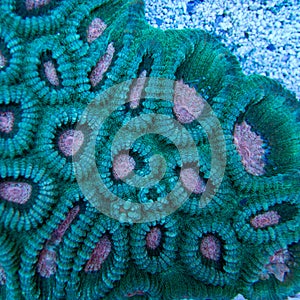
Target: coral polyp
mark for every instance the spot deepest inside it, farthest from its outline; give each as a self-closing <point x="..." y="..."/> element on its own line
<point x="187" y="104"/>
<point x="122" y="166"/>
<point x="17" y="192"/>
<point x="99" y="255"/>
<point x="95" y="29"/>
<point x="211" y="247"/>
<point x="3" y="61"/>
<point x="140" y="163"/>
<point x="153" y="238"/>
<point x="250" y="147"/>
<point x="34" y="4"/>
<point x="266" y="219"/>
<point x="18" y="120"/>
<point x="192" y="181"/>
<point x="70" y="142"/>
<point x="153" y="245"/>
<point x="6" y="121"/>
<point x="102" y="65"/>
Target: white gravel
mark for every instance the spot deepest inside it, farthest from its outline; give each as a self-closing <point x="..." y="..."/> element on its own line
<point x="263" y="34"/>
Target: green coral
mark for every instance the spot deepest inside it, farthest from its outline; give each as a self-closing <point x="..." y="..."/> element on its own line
<point x="41" y="198"/>
<point x="270" y="111"/>
<point x="11" y="52"/>
<point x="236" y="230"/>
<point x="52" y="137"/>
<point x="24" y="109"/>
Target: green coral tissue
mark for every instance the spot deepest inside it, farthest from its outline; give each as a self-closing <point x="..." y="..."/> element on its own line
<point x="140" y="163"/>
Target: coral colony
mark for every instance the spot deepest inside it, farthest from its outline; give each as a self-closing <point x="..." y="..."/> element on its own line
<point x="56" y="57"/>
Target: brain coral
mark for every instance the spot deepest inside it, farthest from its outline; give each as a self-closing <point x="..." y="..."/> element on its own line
<point x="58" y="241"/>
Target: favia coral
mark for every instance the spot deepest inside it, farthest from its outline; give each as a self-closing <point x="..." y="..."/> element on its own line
<point x="232" y="191"/>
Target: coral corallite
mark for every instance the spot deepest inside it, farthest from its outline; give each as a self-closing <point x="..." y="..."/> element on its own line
<point x="3" y="60"/>
<point x="136" y="90"/>
<point x="46" y="265"/>
<point x="99" y="255"/>
<point x="51" y="73"/>
<point x="102" y="65"/>
<point x="210" y="247"/>
<point x="250" y="147"/>
<point x="6" y="121"/>
<point x="266" y="219"/>
<point x="34" y="4"/>
<point x="17" y="192"/>
<point x="192" y="181"/>
<point x="95" y="29"/>
<point x="153" y="238"/>
<point x="2" y="276"/>
<point x="58" y="233"/>
<point x="70" y="142"/>
<point x="123" y="165"/>
<point x="187" y="104"/>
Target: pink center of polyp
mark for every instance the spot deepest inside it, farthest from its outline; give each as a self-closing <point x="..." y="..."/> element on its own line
<point x="102" y="65"/>
<point x="70" y="142"/>
<point x="192" y="181"/>
<point x="153" y="238"/>
<point x="99" y="255"/>
<point x="266" y="219"/>
<point x="122" y="166"/>
<point x="187" y="104"/>
<point x="33" y="4"/>
<point x="135" y="293"/>
<point x="47" y="263"/>
<point x="17" y="192"/>
<point x="211" y="247"/>
<point x="3" y="60"/>
<point x="278" y="265"/>
<point x="58" y="233"/>
<point x="50" y="72"/>
<point x="137" y="89"/>
<point x="250" y="147"/>
<point x="2" y="276"/>
<point x="95" y="29"/>
<point x="6" y="121"/>
<point x="47" y="260"/>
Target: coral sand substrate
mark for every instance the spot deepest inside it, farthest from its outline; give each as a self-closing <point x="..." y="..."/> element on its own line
<point x="238" y="230"/>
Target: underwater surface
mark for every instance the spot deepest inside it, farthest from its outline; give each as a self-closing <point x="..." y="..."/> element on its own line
<point x="140" y="162"/>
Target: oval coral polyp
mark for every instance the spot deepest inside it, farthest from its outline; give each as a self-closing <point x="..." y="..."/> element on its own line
<point x="95" y="29"/>
<point x="266" y="219"/>
<point x="2" y="276"/>
<point x="187" y="104"/>
<point x="192" y="181"/>
<point x="123" y="165"/>
<point x="3" y="61"/>
<point x="35" y="4"/>
<point x="70" y="142"/>
<point x="99" y="255"/>
<point x="6" y="121"/>
<point x="211" y="247"/>
<point x="250" y="147"/>
<point x="102" y="65"/>
<point x="51" y="73"/>
<point x="17" y="192"/>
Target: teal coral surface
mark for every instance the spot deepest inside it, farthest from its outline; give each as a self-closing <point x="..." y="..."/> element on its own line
<point x="56" y="57"/>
